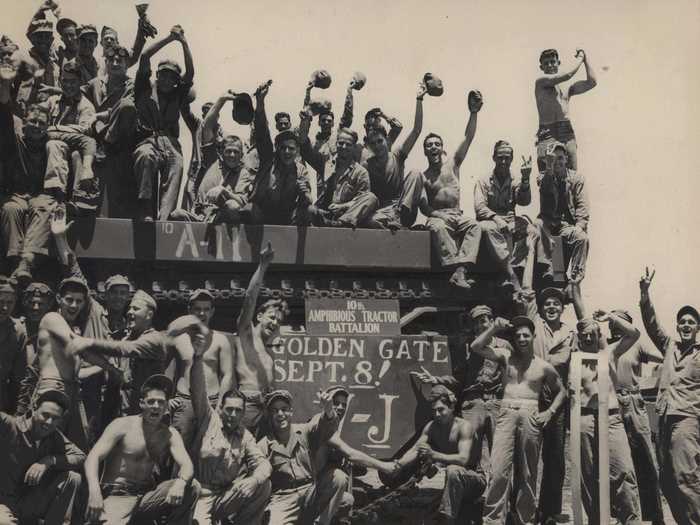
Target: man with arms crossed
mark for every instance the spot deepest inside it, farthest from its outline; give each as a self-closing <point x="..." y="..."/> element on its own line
<point x="520" y="423"/>
<point x="133" y="447"/>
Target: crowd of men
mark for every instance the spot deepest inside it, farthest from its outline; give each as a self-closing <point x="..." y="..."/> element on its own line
<point x="105" y="419"/>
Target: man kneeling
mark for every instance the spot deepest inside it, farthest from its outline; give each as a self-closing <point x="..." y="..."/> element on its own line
<point x="134" y="448"/>
<point x="448" y="443"/>
<point x="223" y="450"/>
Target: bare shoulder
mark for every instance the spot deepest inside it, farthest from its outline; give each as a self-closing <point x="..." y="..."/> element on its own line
<point x="51" y="319"/>
<point x="220" y="340"/>
<point x="464" y="426"/>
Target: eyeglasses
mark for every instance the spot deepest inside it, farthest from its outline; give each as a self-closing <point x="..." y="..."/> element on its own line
<point x="111" y="52"/>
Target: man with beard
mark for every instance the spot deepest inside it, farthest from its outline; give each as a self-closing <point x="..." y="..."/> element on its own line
<point x="224" y="451"/>
<point x="564" y="211"/>
<point x="346" y="199"/>
<point x="455" y="237"/>
<point x="13" y="341"/>
<point x="553" y="104"/>
<point x="134" y="450"/>
<point x="258" y="327"/>
<point x="282" y="191"/>
<point x="520" y="422"/>
<point x="158" y="162"/>
<point x="453" y="445"/>
<point x="624" y="497"/>
<point x="114" y="130"/>
<point x="628" y="369"/>
<point x="38" y="464"/>
<point x="678" y="404"/>
<point x="398" y="194"/>
<point x="302" y="491"/>
<point x="495" y="198"/>
<point x="217" y="362"/>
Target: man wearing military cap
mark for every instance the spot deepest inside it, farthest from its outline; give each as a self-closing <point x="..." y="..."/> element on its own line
<point x="217" y="363"/>
<point x="158" y="128"/>
<point x="13" y="341"/>
<point x="301" y="489"/>
<point x="453" y="445"/>
<point x="40" y="467"/>
<point x="68" y="48"/>
<point x="135" y="450"/>
<point x="678" y="405"/>
<point x="520" y="423"/>
<point x="87" y="42"/>
<point x="109" y="38"/>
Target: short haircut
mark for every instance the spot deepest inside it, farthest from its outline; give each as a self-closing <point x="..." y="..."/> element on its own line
<point x="284" y="136"/>
<point x="72" y="287"/>
<point x="234" y="393"/>
<point x="432" y="136"/>
<point x="282" y="114"/>
<point x="547" y="53"/>
<point x="326" y="112"/>
<point x="350" y="133"/>
<point x="231" y="139"/>
<point x="446" y="397"/>
<point x="275" y="304"/>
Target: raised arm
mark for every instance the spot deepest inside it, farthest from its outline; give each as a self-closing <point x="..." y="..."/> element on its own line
<point x="412" y="137"/>
<point x="630" y="334"/>
<point x="395" y="129"/>
<point x="655" y="331"/>
<point x="557" y="78"/>
<point x="474" y="101"/>
<point x="346" y="117"/>
<point x="211" y="120"/>
<point x="263" y="141"/>
<point x="481" y="345"/>
<point x="581" y="86"/>
<point x="188" y="75"/>
<point x="157" y="46"/>
<point x="139" y="42"/>
<point x="245" y="318"/>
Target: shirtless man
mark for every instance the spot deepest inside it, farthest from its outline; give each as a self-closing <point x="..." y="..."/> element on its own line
<point x="624" y="497"/>
<point x="217" y="361"/>
<point x="553" y="103"/>
<point x="445" y="220"/>
<point x="133" y="448"/>
<point x="253" y="362"/>
<point x="59" y="362"/>
<point x="449" y="442"/>
<point x="520" y="423"/>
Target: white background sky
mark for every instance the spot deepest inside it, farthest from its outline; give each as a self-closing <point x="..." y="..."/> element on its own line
<point x="637" y="130"/>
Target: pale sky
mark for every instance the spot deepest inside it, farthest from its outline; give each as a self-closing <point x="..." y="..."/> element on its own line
<point x="637" y="130"/>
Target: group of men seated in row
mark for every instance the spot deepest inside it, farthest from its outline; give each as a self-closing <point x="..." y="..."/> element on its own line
<point x="74" y="128"/>
<point x="185" y="424"/>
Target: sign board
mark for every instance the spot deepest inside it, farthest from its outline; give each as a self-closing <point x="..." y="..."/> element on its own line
<point x="353" y="316"/>
<point x="386" y="407"/>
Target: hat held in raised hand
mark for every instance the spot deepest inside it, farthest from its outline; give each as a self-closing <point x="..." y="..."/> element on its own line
<point x="358" y="80"/>
<point x="321" y="79"/>
<point x="433" y="84"/>
<point x="243" y="111"/>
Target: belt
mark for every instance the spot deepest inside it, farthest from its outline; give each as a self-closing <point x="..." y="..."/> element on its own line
<point x="586" y="411"/>
<point x="519" y="403"/>
<point x="628" y="391"/>
<point x="294" y="484"/>
<point x="475" y="394"/>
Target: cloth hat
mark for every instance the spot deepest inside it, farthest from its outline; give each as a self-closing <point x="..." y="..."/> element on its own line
<point x="478" y="310"/>
<point x="318" y="106"/>
<point x="159" y="381"/>
<point x="336" y="389"/>
<point x="117" y="280"/>
<point x="278" y="394"/>
<point x="142" y="296"/>
<point x="321" y="79"/>
<point x="37" y="289"/>
<point x="552" y="292"/>
<point x="169" y="65"/>
<point x="73" y="280"/>
<point x="108" y="31"/>
<point x="243" y="111"/>
<point x="87" y="29"/>
<point x="358" y="80"/>
<point x="55" y="396"/>
<point x="687" y="309"/>
<point x="624" y="314"/>
<point x="63" y="23"/>
<point x="502" y="146"/>
<point x="7" y="284"/>
<point x="40" y="26"/>
<point x="200" y="292"/>
<point x="521" y="320"/>
<point x="433" y="85"/>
